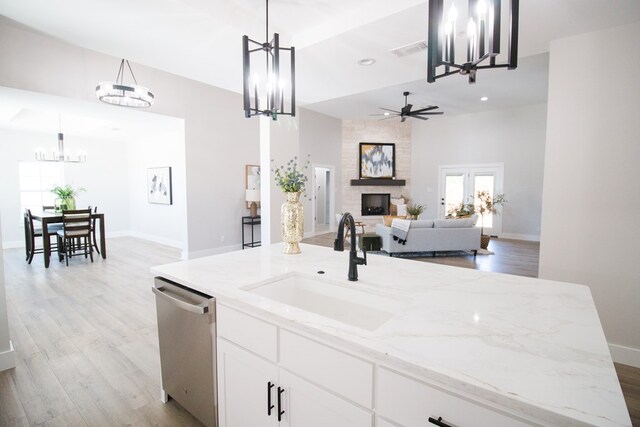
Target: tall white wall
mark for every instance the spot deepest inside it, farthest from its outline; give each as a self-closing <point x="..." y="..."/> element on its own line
<point x="164" y="224"/>
<point x="7" y="354"/>
<point x="219" y="141"/>
<point x="321" y="143"/>
<point x="591" y="205"/>
<point x="515" y="137"/>
<point x="104" y="176"/>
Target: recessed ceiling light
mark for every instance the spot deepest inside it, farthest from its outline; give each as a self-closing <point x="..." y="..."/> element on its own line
<point x="386" y="114"/>
<point x="484" y="98"/>
<point x="366" y="61"/>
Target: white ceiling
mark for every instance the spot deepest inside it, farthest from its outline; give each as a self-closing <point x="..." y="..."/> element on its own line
<point x="33" y="112"/>
<point x="200" y="39"/>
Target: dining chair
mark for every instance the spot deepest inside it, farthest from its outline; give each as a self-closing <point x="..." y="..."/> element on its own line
<point x="48" y="208"/>
<point x="30" y="234"/>
<point x="76" y="227"/>
<point x="94" y="240"/>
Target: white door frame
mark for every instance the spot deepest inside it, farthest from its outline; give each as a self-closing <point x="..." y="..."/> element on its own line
<point x="472" y="170"/>
<point x="332" y="196"/>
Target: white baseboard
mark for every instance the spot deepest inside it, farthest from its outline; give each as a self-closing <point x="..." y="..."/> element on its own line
<point x="13" y="244"/>
<point x="155" y="239"/>
<point x="208" y="252"/>
<point x="8" y="358"/>
<point x="515" y="236"/>
<point x="625" y="355"/>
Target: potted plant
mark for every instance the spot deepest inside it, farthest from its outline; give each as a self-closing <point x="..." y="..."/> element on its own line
<point x="292" y="180"/>
<point x="485" y="205"/>
<point x="414" y="211"/>
<point x="66" y="200"/>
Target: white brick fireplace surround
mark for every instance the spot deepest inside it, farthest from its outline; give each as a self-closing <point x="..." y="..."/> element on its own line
<point x="357" y="131"/>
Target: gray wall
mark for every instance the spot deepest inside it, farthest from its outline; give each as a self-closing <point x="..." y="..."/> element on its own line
<point x="515" y="137"/>
<point x="219" y="141"/>
<point x="591" y="206"/>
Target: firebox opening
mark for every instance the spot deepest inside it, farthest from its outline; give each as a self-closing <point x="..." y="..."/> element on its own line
<point x="375" y="204"/>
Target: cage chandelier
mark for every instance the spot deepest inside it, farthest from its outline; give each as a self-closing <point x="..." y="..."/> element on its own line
<point x="117" y="93"/>
<point x="266" y="81"/>
<point x="483" y="38"/>
<point x="60" y="155"/>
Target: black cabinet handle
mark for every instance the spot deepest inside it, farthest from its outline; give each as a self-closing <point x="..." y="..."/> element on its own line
<point x="270" y="385"/>
<point x="280" y="410"/>
<point x="438" y="422"/>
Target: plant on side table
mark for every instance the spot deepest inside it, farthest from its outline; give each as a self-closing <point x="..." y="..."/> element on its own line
<point x="485" y="205"/>
<point x="414" y="211"/>
<point x="66" y="200"/>
<point x="292" y="181"/>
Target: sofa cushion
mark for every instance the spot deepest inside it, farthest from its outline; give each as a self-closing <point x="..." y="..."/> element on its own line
<point x="454" y="223"/>
<point x="422" y="223"/>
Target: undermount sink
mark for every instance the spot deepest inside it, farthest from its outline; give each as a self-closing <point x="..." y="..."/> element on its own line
<point x="333" y="300"/>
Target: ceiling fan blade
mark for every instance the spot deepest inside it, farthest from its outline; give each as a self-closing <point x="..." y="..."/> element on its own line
<point x="382" y="114"/>
<point x="415" y="113"/>
<point x="429" y="108"/>
<point x="387" y="118"/>
<point x="403" y="119"/>
<point x="393" y="111"/>
<point x="419" y="117"/>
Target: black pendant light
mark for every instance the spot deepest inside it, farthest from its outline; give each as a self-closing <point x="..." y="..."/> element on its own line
<point x="483" y="38"/>
<point x="265" y="79"/>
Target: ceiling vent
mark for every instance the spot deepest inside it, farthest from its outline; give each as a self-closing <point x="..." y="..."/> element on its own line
<point x="409" y="49"/>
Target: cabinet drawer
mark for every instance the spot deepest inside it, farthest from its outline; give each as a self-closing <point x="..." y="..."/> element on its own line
<point x="330" y="368"/>
<point x="253" y="334"/>
<point x="410" y="403"/>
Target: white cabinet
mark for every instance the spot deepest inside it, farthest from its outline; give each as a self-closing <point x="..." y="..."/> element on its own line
<point x="254" y="392"/>
<point x="310" y="406"/>
<point x="243" y="380"/>
<point x="411" y="403"/>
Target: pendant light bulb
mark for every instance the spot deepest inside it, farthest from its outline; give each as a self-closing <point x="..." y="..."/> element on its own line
<point x="471" y="29"/>
<point x="453" y="14"/>
<point x="448" y="28"/>
<point x="482" y="9"/>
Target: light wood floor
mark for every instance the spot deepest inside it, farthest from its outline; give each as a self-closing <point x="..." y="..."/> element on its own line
<point x="86" y="337"/>
<point x="86" y="341"/>
<point x="520" y="258"/>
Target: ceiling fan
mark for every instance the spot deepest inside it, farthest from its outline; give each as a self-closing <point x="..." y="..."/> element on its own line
<point x="406" y="111"/>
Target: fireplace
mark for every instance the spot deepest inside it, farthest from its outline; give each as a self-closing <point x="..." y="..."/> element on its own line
<point x="375" y="204"/>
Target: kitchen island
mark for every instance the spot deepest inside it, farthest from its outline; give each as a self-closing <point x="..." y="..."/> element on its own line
<point x="409" y="343"/>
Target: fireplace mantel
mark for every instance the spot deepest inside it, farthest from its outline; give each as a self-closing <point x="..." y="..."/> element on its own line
<point x="379" y="182"/>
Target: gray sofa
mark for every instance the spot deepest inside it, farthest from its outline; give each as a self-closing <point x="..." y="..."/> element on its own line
<point x="434" y="236"/>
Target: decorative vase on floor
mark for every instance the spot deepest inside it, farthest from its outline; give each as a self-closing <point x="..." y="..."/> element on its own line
<point x="292" y="220"/>
<point x="484" y="241"/>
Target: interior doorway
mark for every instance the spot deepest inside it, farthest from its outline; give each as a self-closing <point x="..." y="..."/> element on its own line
<point x="323" y="199"/>
<point x="460" y="184"/>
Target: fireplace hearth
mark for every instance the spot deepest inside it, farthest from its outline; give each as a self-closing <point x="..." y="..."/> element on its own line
<point x="375" y="204"/>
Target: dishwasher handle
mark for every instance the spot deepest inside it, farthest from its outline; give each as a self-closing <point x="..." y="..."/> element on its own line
<point x="197" y="309"/>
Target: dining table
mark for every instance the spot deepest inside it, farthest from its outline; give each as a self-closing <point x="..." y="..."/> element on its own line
<point x="50" y="217"/>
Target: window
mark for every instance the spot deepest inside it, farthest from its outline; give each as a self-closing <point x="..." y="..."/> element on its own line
<point x="36" y="181"/>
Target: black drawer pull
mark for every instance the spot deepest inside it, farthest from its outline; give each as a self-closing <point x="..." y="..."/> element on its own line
<point x="270" y="385"/>
<point x="280" y="410"/>
<point x="438" y="422"/>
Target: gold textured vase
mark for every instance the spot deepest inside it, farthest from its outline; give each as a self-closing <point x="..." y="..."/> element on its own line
<point x="292" y="223"/>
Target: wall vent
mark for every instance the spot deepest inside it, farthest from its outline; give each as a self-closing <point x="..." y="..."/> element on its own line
<point x="409" y="49"/>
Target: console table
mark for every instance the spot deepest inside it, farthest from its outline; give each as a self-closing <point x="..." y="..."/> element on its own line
<point x="250" y="221"/>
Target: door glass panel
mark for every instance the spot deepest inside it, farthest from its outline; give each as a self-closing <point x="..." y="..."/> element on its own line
<point x="453" y="192"/>
<point x="484" y="183"/>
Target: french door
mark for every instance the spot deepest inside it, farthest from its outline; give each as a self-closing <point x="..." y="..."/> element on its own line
<point x="461" y="184"/>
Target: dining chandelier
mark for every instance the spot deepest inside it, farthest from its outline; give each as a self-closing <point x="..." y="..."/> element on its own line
<point x="482" y="38"/>
<point x="117" y="93"/>
<point x="60" y="155"/>
<point x="265" y="79"/>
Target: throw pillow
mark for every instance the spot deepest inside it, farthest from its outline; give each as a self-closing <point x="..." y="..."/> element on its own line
<point x="402" y="210"/>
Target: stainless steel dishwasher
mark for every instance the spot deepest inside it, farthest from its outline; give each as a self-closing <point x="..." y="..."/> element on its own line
<point x="186" y="333"/>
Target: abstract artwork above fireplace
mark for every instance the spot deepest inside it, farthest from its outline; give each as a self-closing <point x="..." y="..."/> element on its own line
<point x="377" y="160"/>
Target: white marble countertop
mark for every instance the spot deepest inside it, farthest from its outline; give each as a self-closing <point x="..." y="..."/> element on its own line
<point x="533" y="346"/>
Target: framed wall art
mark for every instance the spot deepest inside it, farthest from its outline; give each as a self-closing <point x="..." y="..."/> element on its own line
<point x="252" y="179"/>
<point x="377" y="160"/>
<point x="159" y="189"/>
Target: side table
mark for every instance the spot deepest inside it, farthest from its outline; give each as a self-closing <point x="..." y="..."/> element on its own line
<point x="250" y="221"/>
